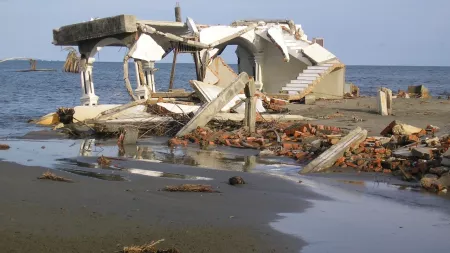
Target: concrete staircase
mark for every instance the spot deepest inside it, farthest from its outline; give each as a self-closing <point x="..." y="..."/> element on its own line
<point x="308" y="78"/>
<point x="295" y="47"/>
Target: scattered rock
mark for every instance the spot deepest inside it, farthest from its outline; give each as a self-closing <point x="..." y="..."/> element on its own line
<point x="431" y="183"/>
<point x="439" y="170"/>
<point x="236" y="180"/>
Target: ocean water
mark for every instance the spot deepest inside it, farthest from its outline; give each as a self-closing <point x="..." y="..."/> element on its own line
<point x="27" y="95"/>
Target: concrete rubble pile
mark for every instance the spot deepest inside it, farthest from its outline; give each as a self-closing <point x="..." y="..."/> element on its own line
<point x="414" y="91"/>
<point x="411" y="153"/>
<point x="302" y="142"/>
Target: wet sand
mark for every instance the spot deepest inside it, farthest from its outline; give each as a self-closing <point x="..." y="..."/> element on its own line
<point x="416" y="112"/>
<point x="91" y="215"/>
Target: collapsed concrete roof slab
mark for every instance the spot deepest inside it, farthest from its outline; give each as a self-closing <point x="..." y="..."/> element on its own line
<point x="70" y="35"/>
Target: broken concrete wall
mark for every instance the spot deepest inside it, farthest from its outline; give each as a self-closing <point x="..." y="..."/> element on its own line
<point x="277" y="73"/>
<point x="223" y="71"/>
<point x="245" y="62"/>
<point x="331" y="86"/>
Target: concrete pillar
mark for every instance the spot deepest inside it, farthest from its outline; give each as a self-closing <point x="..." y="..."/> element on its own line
<point x="149" y="73"/>
<point x="88" y="97"/>
<point x="86" y="147"/>
<point x="142" y="90"/>
<point x="258" y="58"/>
<point x="250" y="106"/>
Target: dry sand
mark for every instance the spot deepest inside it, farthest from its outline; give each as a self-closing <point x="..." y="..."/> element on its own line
<point x="91" y="215"/>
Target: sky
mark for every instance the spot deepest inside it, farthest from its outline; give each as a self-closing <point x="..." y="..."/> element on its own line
<point x="358" y="32"/>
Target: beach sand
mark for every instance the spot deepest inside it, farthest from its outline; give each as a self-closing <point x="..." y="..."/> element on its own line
<point x="91" y="215"/>
<point x="416" y="112"/>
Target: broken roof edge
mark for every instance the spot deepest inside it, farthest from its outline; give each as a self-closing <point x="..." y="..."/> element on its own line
<point x="97" y="28"/>
<point x="162" y="23"/>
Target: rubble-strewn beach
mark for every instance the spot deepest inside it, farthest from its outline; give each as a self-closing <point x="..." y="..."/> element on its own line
<point x="289" y="150"/>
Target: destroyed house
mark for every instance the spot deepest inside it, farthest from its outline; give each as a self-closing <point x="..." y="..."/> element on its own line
<point x="276" y="54"/>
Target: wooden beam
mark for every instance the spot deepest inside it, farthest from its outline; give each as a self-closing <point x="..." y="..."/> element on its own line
<point x="174" y="63"/>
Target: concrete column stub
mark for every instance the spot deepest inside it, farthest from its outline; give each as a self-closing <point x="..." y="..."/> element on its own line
<point x="259" y="59"/>
<point x="149" y="72"/>
<point x="88" y="97"/>
<point x="143" y="86"/>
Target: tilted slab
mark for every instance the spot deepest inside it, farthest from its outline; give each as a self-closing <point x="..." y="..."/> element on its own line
<point x="329" y="157"/>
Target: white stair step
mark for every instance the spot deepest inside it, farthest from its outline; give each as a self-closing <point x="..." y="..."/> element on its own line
<point x="297" y="85"/>
<point x="319" y="67"/>
<point x="297" y="47"/>
<point x="307" y="78"/>
<point x="293" y="89"/>
<point x="309" y="74"/>
<point x="292" y="92"/>
<point x="326" y="64"/>
<point x="314" y="71"/>
<point x="301" y="81"/>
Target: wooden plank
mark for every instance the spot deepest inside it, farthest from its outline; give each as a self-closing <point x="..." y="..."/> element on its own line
<point x="329" y="157"/>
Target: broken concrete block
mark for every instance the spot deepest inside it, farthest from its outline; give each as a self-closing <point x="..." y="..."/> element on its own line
<point x="431" y="183"/>
<point x="418" y="91"/>
<point x="310" y="99"/>
<point x="398" y="128"/>
<point x="131" y="135"/>
<point x="446" y="158"/>
<point x="382" y="103"/>
<point x="439" y="170"/>
<point x="404" y="129"/>
<point x="329" y="157"/>
<point x="444" y="180"/>
<point x="422" y="152"/>
<point x="388" y="93"/>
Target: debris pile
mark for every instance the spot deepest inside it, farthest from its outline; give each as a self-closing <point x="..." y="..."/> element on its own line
<point x="352" y="91"/>
<point x="51" y="176"/>
<point x="148" y="248"/>
<point x="299" y="141"/>
<point x="414" y="154"/>
<point x="190" y="188"/>
<point x="403" y="150"/>
<point x="103" y="161"/>
<point x="418" y="91"/>
<point x="4" y="147"/>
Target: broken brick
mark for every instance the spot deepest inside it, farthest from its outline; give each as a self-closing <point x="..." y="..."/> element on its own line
<point x="340" y="161"/>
